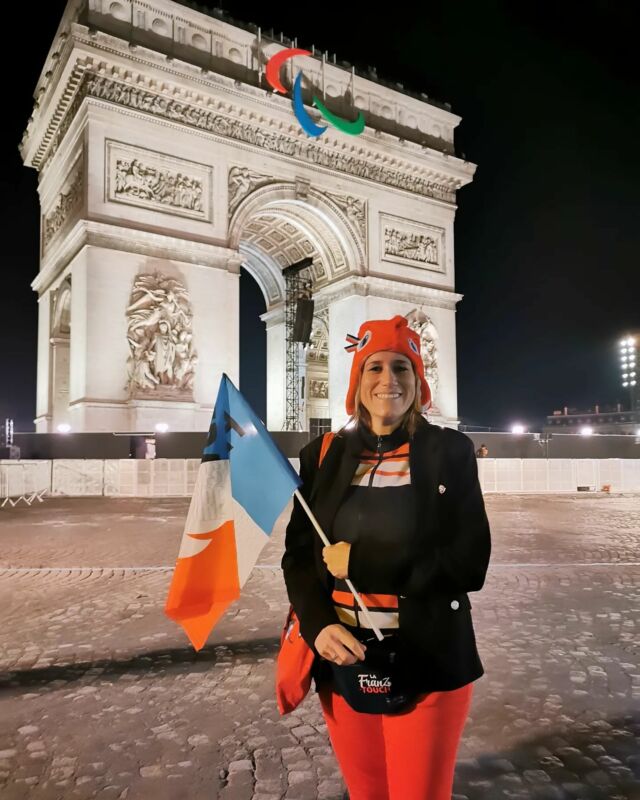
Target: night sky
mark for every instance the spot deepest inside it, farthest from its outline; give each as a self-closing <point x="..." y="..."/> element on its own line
<point x="547" y="235"/>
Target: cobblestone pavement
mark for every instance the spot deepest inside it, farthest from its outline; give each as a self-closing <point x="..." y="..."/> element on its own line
<point x="101" y="695"/>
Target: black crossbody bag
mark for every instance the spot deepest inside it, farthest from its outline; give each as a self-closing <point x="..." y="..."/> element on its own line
<point x="377" y="685"/>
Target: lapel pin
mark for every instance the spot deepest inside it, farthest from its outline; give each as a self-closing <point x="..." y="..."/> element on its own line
<point x="442" y="489"/>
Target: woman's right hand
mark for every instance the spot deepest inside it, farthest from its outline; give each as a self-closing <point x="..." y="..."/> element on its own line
<point x="336" y="644"/>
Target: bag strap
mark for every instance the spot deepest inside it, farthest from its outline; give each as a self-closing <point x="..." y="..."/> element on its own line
<point x="326" y="444"/>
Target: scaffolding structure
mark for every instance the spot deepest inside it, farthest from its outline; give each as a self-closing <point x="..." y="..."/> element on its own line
<point x="298" y="286"/>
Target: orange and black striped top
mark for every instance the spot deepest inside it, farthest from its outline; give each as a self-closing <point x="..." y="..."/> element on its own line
<point x="379" y="507"/>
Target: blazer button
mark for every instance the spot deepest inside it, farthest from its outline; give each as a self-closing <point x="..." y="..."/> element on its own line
<point x="455" y="605"/>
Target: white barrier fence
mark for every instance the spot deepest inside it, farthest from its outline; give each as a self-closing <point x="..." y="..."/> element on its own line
<point x="160" y="477"/>
<point x="165" y="477"/>
<point x="558" y="474"/>
<point x="77" y="477"/>
<point x="24" y="480"/>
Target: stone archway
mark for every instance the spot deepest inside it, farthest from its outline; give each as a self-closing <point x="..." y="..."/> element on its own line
<point x="156" y="156"/>
<point x="294" y="221"/>
<point x="272" y="227"/>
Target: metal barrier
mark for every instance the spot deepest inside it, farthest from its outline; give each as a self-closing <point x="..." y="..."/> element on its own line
<point x="24" y="480"/>
<point x="554" y="475"/>
<point x="160" y="477"/>
<point x="167" y="477"/>
<point x="77" y="477"/>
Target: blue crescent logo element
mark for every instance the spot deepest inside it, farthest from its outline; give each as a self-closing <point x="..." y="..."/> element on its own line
<point x="307" y="124"/>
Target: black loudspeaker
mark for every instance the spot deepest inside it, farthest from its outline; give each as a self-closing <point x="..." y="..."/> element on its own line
<point x="304" y="321"/>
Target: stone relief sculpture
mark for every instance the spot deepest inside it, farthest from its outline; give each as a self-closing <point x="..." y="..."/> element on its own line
<point x="148" y="182"/>
<point x="355" y="209"/>
<point x="160" y="337"/>
<point x="101" y="86"/>
<point x="412" y="246"/>
<point x="67" y="201"/>
<point x="429" y="338"/>
<point x="319" y="389"/>
<point x="242" y="181"/>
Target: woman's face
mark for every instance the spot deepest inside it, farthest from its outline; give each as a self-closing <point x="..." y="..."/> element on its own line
<point x="387" y="389"/>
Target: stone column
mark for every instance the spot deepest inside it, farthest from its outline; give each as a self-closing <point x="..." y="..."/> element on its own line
<point x="274" y="320"/>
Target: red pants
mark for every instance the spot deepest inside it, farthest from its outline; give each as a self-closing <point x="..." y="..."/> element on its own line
<point x="407" y="756"/>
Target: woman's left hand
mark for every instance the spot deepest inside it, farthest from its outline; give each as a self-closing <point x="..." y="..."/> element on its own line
<point x="336" y="557"/>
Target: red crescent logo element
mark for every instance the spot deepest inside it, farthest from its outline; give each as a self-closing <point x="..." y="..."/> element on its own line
<point x="272" y="72"/>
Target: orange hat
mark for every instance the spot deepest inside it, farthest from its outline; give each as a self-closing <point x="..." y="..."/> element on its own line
<point x="384" y="334"/>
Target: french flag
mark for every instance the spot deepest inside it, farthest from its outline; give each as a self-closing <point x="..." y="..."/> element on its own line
<point x="243" y="485"/>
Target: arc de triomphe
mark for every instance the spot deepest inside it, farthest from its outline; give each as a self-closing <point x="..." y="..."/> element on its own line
<point x="166" y="165"/>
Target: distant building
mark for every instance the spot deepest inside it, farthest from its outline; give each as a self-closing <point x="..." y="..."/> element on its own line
<point x="605" y="419"/>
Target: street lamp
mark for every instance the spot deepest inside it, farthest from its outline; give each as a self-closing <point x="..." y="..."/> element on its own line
<point x="628" y="353"/>
<point x="64" y="427"/>
<point x="162" y="427"/>
<point x="586" y="431"/>
<point x="518" y="429"/>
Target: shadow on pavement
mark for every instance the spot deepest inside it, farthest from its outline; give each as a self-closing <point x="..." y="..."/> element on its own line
<point x="177" y="660"/>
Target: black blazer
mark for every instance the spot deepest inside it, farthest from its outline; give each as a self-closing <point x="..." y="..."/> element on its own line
<point x="448" y="558"/>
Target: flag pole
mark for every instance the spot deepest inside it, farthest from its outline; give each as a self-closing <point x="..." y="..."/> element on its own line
<point x="321" y="534"/>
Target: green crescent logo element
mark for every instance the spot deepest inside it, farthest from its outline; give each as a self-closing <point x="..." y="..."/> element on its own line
<point x="352" y="128"/>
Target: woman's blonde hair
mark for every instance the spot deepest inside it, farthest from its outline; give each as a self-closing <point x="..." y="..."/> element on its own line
<point x="409" y="421"/>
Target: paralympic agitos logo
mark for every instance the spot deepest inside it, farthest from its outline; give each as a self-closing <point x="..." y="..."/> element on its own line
<point x="306" y="122"/>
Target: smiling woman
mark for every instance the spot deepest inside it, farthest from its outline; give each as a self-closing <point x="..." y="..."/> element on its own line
<point x="400" y="500"/>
